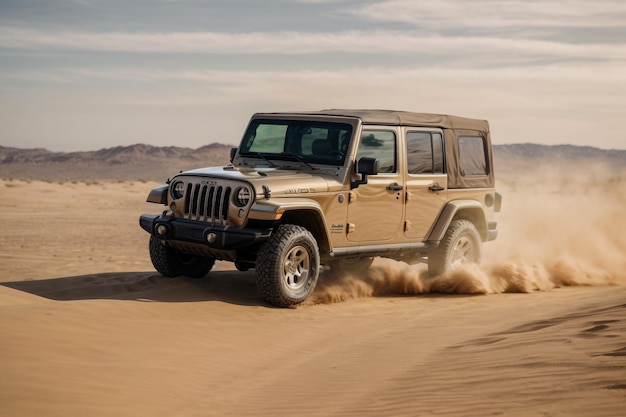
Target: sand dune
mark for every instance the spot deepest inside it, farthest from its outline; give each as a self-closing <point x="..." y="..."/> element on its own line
<point x="88" y="328"/>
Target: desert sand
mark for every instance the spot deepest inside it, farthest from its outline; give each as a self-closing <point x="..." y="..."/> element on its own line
<point x="87" y="328"/>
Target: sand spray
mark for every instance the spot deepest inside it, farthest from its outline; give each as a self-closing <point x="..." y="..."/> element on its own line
<point x="558" y="227"/>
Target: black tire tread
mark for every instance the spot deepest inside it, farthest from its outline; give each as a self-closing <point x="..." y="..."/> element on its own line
<point x="269" y="262"/>
<point x="166" y="261"/>
<point x="438" y="258"/>
<point x="161" y="256"/>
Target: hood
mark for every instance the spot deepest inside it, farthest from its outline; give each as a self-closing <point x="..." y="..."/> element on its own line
<point x="279" y="181"/>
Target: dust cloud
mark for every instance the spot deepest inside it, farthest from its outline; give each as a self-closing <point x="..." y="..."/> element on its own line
<point x="559" y="226"/>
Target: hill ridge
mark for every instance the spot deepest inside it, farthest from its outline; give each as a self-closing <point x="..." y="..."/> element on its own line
<point x="154" y="163"/>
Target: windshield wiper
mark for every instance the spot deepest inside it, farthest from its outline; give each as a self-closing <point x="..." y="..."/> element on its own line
<point x="299" y="159"/>
<point x="260" y="155"/>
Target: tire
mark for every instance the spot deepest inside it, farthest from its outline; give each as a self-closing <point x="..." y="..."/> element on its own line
<point x="355" y="265"/>
<point x="172" y="263"/>
<point x="461" y="244"/>
<point x="243" y="266"/>
<point x="287" y="266"/>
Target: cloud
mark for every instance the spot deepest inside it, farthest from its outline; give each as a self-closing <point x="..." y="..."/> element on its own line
<point x="565" y="103"/>
<point x="460" y="14"/>
<point x="558" y="92"/>
<point x="559" y="104"/>
<point x="591" y="74"/>
<point x="532" y="68"/>
<point x="301" y="43"/>
<point x="317" y="1"/>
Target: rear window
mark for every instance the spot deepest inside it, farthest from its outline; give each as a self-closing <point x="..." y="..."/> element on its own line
<point x="473" y="156"/>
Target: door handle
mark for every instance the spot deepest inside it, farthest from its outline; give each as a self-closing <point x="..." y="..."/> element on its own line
<point x="394" y="187"/>
<point x="435" y="188"/>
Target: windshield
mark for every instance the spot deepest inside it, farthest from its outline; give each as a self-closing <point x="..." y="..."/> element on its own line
<point x="297" y="140"/>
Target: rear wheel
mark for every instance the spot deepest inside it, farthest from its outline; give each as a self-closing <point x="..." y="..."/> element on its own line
<point x="460" y="245"/>
<point x="172" y="262"/>
<point x="287" y="266"/>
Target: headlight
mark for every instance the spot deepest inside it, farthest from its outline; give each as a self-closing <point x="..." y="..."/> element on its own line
<point x="178" y="190"/>
<point x="242" y="197"/>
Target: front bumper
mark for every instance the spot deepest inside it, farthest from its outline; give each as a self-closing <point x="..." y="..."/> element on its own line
<point x="213" y="236"/>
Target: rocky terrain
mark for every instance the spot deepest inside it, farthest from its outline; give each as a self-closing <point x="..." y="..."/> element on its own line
<point x="135" y="162"/>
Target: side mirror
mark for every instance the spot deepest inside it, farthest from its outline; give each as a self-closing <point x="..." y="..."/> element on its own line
<point x="233" y="152"/>
<point x="365" y="166"/>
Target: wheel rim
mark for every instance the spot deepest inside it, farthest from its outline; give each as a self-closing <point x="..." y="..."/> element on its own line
<point x="296" y="268"/>
<point x="463" y="252"/>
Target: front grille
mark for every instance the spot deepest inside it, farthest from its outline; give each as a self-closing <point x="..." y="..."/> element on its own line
<point x="207" y="203"/>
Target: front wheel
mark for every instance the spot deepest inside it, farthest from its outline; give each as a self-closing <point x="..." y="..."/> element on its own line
<point x="287" y="266"/>
<point x="460" y="245"/>
<point x="172" y="263"/>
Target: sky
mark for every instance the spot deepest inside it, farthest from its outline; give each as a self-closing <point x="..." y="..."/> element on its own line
<point x="90" y="74"/>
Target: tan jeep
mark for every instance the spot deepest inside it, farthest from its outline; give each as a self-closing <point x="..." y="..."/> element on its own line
<point x="334" y="188"/>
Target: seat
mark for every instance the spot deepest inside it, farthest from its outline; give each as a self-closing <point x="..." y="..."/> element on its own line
<point x="320" y="147"/>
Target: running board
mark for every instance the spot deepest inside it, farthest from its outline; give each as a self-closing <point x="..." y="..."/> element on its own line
<point x="407" y="252"/>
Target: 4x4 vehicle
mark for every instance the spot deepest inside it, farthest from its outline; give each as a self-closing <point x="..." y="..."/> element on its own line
<point x="334" y="188"/>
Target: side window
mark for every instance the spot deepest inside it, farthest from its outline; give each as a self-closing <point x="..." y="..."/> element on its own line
<point x="424" y="152"/>
<point x="472" y="154"/>
<point x="379" y="144"/>
<point x="438" y="164"/>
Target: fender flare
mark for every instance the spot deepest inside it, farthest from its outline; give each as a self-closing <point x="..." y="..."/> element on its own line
<point x="278" y="209"/>
<point x="158" y="195"/>
<point x="471" y="210"/>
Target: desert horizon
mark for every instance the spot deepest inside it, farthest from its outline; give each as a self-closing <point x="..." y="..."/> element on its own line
<point x="89" y="328"/>
<point x="142" y="162"/>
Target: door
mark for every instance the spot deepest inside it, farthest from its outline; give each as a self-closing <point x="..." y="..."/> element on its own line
<point x="375" y="209"/>
<point x="426" y="181"/>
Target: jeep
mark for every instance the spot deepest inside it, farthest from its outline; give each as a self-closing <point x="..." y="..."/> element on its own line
<point x="333" y="189"/>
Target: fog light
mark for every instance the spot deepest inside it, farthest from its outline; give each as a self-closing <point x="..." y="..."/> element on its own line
<point x="241" y="213"/>
<point x="211" y="237"/>
<point x="162" y="230"/>
<point x="173" y="206"/>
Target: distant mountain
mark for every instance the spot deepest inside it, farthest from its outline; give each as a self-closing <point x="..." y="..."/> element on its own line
<point x="135" y="162"/>
<point x="532" y="151"/>
<point x="152" y="163"/>
<point x="512" y="161"/>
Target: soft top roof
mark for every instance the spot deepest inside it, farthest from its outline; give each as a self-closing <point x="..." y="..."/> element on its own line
<point x="403" y="118"/>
